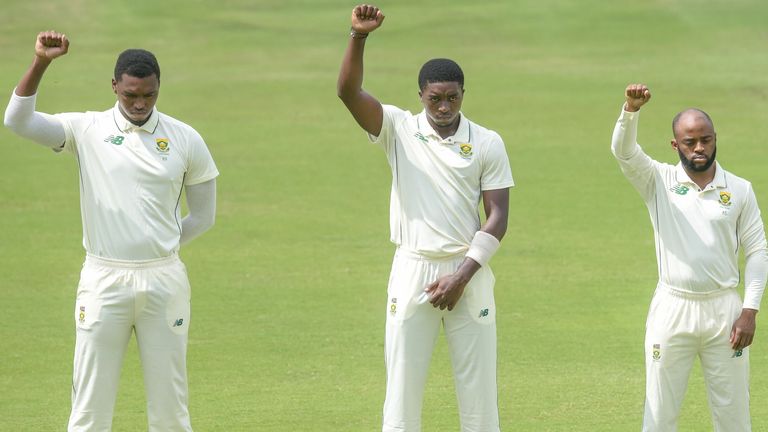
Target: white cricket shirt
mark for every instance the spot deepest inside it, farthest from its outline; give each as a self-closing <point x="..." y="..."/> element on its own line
<point x="131" y="178"/>
<point x="437" y="183"/>
<point x="698" y="232"/>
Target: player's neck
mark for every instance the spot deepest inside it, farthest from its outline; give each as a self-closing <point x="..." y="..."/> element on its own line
<point x="701" y="178"/>
<point x="446" y="131"/>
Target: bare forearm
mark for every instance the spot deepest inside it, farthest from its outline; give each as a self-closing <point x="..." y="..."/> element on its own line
<point x="496" y="206"/>
<point x="496" y="225"/>
<point x="30" y="81"/>
<point x="350" y="81"/>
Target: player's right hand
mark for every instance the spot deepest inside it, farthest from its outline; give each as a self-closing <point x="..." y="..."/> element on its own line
<point x="366" y="18"/>
<point x="51" y="44"/>
<point x="637" y="96"/>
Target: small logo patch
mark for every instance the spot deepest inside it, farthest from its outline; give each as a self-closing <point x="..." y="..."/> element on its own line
<point x="657" y="351"/>
<point x="163" y="145"/>
<point x="393" y="306"/>
<point x="114" y="139"/>
<point x="737" y="353"/>
<point x="421" y="137"/>
<point x="680" y="189"/>
<point x="465" y="150"/>
<point x="179" y="322"/>
<point x="483" y="313"/>
<point x="81" y="317"/>
<point x="725" y="198"/>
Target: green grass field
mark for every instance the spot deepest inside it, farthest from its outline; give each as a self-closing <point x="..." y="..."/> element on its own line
<point x="289" y="288"/>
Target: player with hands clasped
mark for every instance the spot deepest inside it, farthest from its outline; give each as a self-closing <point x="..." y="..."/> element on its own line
<point x="702" y="216"/>
<point x="442" y="165"/>
<point x="134" y="162"/>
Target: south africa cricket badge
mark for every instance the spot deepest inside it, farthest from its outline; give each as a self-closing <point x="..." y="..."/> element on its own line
<point x="657" y="351"/>
<point x="725" y="198"/>
<point x="465" y="150"/>
<point x="163" y="145"/>
<point x="393" y="306"/>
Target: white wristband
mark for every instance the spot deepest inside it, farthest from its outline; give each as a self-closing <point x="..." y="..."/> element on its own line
<point x="483" y="247"/>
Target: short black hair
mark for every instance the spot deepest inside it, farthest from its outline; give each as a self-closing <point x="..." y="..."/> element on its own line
<point x="137" y="63"/>
<point x="677" y="117"/>
<point x="440" y="70"/>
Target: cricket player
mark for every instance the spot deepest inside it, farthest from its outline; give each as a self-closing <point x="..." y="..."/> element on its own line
<point x="133" y="162"/>
<point x="702" y="216"/>
<point x="442" y="165"/>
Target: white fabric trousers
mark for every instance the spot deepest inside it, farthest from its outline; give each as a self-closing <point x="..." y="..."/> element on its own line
<point x="115" y="298"/>
<point x="680" y="327"/>
<point x="411" y="333"/>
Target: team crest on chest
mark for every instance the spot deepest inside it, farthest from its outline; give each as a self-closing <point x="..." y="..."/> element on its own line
<point x="725" y="198"/>
<point x="465" y="150"/>
<point x="163" y="145"/>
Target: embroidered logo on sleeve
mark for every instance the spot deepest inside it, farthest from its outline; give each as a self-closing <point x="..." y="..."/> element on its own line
<point x="657" y="351"/>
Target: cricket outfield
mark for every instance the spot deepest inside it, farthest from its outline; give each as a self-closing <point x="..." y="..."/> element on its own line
<point x="289" y="287"/>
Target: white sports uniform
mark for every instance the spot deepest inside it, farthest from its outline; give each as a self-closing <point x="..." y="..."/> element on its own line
<point x="436" y="189"/>
<point x="131" y="180"/>
<point x="698" y="234"/>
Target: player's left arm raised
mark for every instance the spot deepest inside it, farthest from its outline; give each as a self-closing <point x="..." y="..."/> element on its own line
<point x="446" y="291"/>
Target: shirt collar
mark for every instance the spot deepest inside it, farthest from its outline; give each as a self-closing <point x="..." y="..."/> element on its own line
<point x="125" y="125"/>
<point x="717" y="182"/>
<point x="461" y="135"/>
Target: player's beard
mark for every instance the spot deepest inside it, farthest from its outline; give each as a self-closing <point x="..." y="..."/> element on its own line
<point x="688" y="163"/>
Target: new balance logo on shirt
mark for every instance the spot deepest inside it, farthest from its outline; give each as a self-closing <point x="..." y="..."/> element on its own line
<point x="116" y="140"/>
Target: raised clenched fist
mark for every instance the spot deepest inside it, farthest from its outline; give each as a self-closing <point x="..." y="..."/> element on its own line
<point x="366" y="18"/>
<point x="637" y="95"/>
<point x="51" y="44"/>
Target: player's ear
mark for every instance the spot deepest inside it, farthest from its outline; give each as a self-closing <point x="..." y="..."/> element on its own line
<point x="674" y="144"/>
<point x="114" y="85"/>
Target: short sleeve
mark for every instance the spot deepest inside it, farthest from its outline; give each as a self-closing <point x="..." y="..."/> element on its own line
<point x="201" y="167"/>
<point x="497" y="174"/>
<point x="387" y="135"/>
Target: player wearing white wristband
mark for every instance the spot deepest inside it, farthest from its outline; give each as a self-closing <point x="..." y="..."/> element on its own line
<point x="134" y="162"/>
<point x="442" y="165"/>
<point x="702" y="216"/>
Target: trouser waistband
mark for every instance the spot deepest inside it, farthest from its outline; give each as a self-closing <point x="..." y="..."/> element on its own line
<point x="677" y="292"/>
<point x="411" y="254"/>
<point x="115" y="263"/>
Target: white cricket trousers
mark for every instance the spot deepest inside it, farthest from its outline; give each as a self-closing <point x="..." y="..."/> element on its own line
<point x="411" y="333"/>
<point x="681" y="326"/>
<point x="113" y="299"/>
